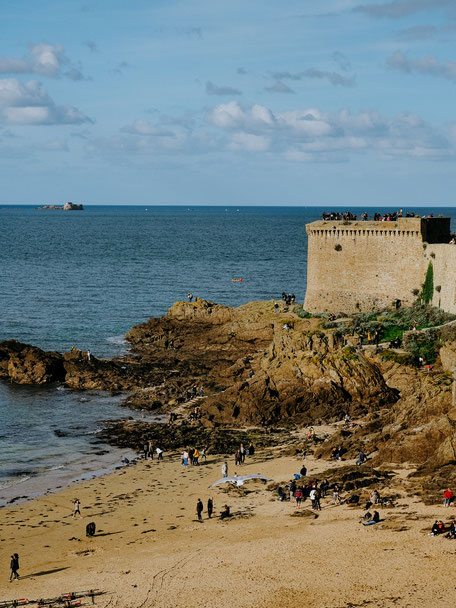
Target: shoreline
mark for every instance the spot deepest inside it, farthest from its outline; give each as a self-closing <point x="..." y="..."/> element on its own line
<point x="149" y="546"/>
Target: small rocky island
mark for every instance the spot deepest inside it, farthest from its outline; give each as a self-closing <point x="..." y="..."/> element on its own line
<point x="65" y="207"/>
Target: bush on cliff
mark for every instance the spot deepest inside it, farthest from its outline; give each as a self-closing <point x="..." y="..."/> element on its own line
<point x="302" y="314"/>
<point x="392" y="323"/>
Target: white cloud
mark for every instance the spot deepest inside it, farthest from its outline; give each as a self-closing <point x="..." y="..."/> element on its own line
<point x="29" y="104"/>
<point x="314" y="134"/>
<point x="43" y="59"/>
<point x="250" y="142"/>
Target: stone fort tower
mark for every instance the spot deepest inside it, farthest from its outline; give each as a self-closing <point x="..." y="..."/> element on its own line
<point x="366" y="265"/>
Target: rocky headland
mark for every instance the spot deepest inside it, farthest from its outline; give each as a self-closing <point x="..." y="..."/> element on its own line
<point x="265" y="372"/>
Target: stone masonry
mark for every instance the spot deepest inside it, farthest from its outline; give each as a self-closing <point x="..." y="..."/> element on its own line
<point x="367" y="265"/>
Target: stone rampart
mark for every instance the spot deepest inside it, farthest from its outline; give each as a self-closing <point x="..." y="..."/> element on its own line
<point x="366" y="265"/>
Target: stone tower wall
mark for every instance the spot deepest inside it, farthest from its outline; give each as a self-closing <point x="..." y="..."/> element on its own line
<point x="361" y="266"/>
<point x="444" y="263"/>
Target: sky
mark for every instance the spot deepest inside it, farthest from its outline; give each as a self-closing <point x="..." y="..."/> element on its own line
<point x="228" y="102"/>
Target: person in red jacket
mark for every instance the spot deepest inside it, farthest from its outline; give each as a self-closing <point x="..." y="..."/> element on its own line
<point x="448" y="496"/>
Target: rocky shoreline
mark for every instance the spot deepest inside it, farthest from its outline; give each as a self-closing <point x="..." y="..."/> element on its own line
<point x="262" y="371"/>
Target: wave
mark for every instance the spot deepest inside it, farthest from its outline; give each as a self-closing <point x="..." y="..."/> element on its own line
<point x="9" y="483"/>
<point x="118" y="340"/>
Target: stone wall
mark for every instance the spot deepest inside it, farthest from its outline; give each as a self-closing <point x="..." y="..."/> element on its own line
<point x="443" y="258"/>
<point x="359" y="266"/>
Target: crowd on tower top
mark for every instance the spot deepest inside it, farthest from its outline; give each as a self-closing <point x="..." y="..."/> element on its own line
<point x="377" y="217"/>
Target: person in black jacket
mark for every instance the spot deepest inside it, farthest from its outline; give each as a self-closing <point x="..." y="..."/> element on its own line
<point x="210" y="507"/>
<point x="14" y="565"/>
<point x="199" y="509"/>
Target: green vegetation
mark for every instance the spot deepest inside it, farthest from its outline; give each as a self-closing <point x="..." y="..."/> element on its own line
<point x="402" y="358"/>
<point x="425" y="345"/>
<point x="392" y="323"/>
<point x="302" y="314"/>
<point x="428" y="287"/>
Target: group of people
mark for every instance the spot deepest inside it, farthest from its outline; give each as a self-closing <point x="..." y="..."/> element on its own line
<point x="440" y="528"/>
<point x="370" y="337"/>
<point x="288" y="298"/>
<point x="240" y="454"/>
<point x="193" y="392"/>
<point x="192" y="456"/>
<point x="210" y="509"/>
<point x="149" y="450"/>
<point x="314" y="491"/>
<point x="191" y="297"/>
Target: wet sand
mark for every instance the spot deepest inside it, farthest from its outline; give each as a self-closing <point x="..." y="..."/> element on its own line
<point x="149" y="548"/>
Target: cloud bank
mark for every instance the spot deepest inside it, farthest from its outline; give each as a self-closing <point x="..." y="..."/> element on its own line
<point x="427" y="65"/>
<point x="29" y="104"/>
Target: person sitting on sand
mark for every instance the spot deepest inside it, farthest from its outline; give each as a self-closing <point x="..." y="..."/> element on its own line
<point x="448" y="497"/>
<point x="437" y="528"/>
<point x="375" y="519"/>
<point x="375" y="498"/>
<point x="225" y="513"/>
<point x="451" y="530"/>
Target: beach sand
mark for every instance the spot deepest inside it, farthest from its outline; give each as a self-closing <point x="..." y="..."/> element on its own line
<point x="150" y="550"/>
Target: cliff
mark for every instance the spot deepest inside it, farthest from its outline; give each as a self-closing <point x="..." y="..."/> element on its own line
<point x="258" y="367"/>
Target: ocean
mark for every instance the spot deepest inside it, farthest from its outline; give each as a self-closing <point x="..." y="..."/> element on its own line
<point x="83" y="278"/>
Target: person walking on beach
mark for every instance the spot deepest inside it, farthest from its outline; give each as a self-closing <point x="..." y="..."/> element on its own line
<point x="76" y="508"/>
<point x="336" y="494"/>
<point x="14" y="565"/>
<point x="151" y="449"/>
<point x="199" y="509"/>
<point x="159" y="453"/>
<point x="210" y="507"/>
<point x="225" y="469"/>
<point x="146" y="450"/>
<point x="242" y="451"/>
<point x="184" y="458"/>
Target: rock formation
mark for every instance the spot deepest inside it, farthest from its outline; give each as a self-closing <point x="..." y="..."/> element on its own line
<point x="261" y="367"/>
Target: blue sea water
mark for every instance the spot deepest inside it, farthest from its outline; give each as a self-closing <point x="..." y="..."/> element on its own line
<point x="84" y="278"/>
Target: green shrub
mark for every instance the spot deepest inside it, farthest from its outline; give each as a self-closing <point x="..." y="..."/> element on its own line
<point x="302" y="314"/>
<point x="401" y="358"/>
<point x="428" y="286"/>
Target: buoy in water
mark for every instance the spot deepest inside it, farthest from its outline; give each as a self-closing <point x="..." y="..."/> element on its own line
<point x="237" y="280"/>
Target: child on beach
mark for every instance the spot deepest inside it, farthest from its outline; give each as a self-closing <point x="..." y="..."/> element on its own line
<point x="77" y="508"/>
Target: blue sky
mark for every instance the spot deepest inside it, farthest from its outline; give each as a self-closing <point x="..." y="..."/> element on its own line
<point x="254" y="102"/>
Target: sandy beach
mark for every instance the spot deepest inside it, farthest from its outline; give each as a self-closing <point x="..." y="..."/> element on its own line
<point x="149" y="548"/>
